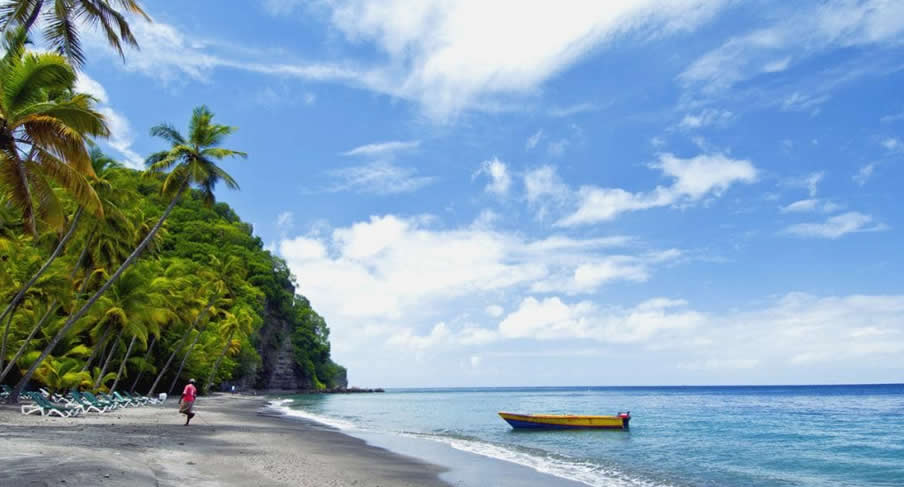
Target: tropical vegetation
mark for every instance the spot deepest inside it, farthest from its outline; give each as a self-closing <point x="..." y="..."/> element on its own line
<point x="114" y="278"/>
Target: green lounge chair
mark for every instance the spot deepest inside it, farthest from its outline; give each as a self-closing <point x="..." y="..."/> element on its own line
<point x="98" y="401"/>
<point x="128" y="402"/>
<point x="85" y="404"/>
<point x="45" y="407"/>
<point x="141" y="401"/>
<point x="119" y="402"/>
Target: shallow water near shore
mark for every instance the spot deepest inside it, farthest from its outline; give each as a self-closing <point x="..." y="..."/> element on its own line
<point x="680" y="436"/>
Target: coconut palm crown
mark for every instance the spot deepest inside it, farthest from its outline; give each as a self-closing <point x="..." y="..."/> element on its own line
<point x="190" y="160"/>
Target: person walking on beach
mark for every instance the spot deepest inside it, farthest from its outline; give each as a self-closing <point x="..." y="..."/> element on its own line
<point x="188" y="400"/>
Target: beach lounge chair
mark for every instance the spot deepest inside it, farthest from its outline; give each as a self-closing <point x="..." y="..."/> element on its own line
<point x="45" y="407"/>
<point x="119" y="402"/>
<point x="128" y="402"/>
<point x="5" y="391"/>
<point x="140" y="400"/>
<point x="98" y="401"/>
<point x="85" y="404"/>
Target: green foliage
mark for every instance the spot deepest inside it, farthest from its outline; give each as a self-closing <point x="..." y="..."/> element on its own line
<point x="206" y="252"/>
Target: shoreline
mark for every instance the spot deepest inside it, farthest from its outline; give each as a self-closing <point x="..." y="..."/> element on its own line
<point x="229" y="443"/>
<point x="234" y="441"/>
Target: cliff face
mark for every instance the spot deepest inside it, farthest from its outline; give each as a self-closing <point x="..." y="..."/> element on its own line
<point x="278" y="370"/>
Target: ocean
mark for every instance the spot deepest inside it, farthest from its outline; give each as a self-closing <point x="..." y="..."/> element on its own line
<point x="813" y="436"/>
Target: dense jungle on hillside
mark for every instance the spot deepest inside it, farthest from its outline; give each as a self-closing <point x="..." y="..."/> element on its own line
<point x="112" y="278"/>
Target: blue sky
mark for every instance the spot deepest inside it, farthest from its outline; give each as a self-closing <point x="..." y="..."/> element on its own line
<point x="516" y="193"/>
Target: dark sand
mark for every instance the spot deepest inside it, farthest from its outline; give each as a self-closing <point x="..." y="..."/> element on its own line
<point x="229" y="443"/>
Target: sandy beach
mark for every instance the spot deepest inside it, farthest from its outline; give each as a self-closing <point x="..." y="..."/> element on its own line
<point x="229" y="443"/>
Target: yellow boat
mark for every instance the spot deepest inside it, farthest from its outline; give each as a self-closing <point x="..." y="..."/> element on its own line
<point x="566" y="421"/>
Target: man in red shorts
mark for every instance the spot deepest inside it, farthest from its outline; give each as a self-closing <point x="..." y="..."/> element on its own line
<point x="188" y="400"/>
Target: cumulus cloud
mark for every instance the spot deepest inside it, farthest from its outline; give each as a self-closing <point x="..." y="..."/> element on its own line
<point x="693" y="179"/>
<point x="497" y="171"/>
<point x="121" y="137"/>
<point x="837" y="226"/>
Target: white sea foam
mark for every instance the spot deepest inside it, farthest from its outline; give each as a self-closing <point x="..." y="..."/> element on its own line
<point x="579" y="471"/>
<point x="587" y="473"/>
<point x="282" y="406"/>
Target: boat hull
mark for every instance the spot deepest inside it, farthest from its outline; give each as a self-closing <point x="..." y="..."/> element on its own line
<point x="565" y="422"/>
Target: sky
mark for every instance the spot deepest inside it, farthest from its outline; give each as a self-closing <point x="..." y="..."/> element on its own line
<point x="508" y="193"/>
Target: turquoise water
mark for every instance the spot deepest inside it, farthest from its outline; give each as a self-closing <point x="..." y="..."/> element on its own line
<point x="680" y="436"/>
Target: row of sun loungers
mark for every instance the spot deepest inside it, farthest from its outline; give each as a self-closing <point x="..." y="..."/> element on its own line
<point x="75" y="403"/>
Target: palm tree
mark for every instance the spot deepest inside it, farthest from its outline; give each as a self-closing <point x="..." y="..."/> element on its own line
<point x="239" y="322"/>
<point x="102" y="167"/>
<point x="38" y="111"/>
<point x="190" y="161"/>
<point x="63" y="18"/>
<point x="42" y="124"/>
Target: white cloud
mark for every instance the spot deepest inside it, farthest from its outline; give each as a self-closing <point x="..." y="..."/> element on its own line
<point x="803" y="102"/>
<point x="836" y="226"/>
<point x="552" y="319"/>
<point x="85" y="84"/>
<point x="121" y="137"/>
<point x="595" y="272"/>
<point x="533" y="140"/>
<point x="720" y="364"/>
<point x="285" y="220"/>
<point x="557" y="148"/>
<point x="497" y="171"/>
<point x="705" y="118"/>
<point x="475" y="361"/>
<point x="777" y="65"/>
<point x="810" y="182"/>
<point x="389" y="266"/>
<point x="865" y="173"/>
<point x="572" y="110"/>
<point x="380" y="177"/>
<point x="812" y="204"/>
<point x="383" y="149"/>
<point x="456" y="54"/>
<point x="543" y="182"/>
<point x="839" y="23"/>
<point x="891" y="143"/>
<point x="694" y="178"/>
<point x="494" y="310"/>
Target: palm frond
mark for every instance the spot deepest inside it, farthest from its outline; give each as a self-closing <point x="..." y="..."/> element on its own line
<point x="28" y="81"/>
<point x="62" y="33"/>
<point x="71" y="180"/>
<point x="168" y="133"/>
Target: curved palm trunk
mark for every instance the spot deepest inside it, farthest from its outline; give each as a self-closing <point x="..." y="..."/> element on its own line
<point x="141" y="371"/>
<point x="103" y="369"/>
<point x="172" y="356"/>
<point x="182" y="365"/>
<point x="21" y="294"/>
<point x="216" y="365"/>
<point x="34" y="331"/>
<point x="98" y="348"/>
<point x="54" y="306"/>
<point x="14" y="395"/>
<point x="122" y="365"/>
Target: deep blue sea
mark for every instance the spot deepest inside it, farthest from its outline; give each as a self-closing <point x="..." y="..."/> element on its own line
<point x="680" y="436"/>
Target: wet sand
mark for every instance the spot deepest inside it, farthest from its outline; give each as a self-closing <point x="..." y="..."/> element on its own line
<point x="229" y="443"/>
